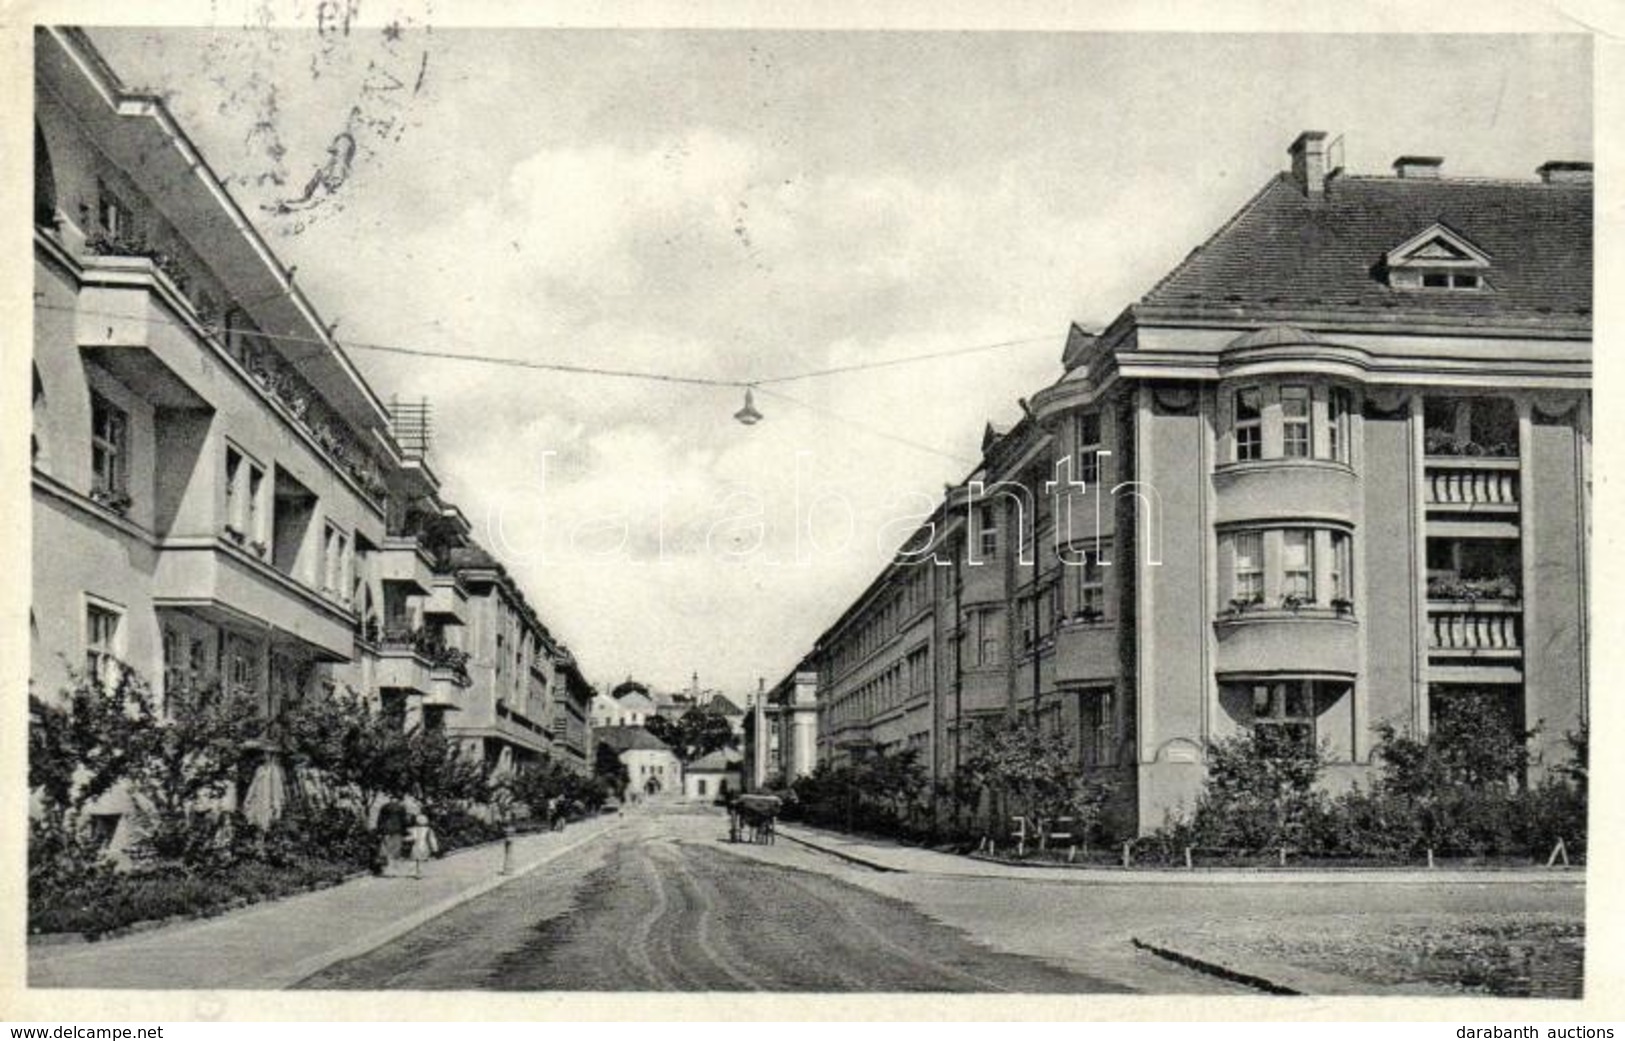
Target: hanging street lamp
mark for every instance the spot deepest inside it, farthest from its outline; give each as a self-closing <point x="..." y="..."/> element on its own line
<point x="748" y="415"/>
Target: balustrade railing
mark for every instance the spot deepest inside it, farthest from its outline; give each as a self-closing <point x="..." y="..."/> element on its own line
<point x="1453" y="484"/>
<point x="1474" y="629"/>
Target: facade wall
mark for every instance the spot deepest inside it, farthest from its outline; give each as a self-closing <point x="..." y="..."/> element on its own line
<point x="254" y="529"/>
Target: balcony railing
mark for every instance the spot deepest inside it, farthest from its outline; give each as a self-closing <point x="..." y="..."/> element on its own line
<point x="1476" y="484"/>
<point x="425" y="644"/>
<point x="1475" y="628"/>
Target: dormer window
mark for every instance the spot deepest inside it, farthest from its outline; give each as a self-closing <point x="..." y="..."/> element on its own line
<point x="1446" y="280"/>
<point x="1437" y="259"/>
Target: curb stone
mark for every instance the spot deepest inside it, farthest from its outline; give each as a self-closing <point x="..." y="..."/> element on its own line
<point x="873" y="865"/>
<point x="1215" y="969"/>
<point x="310" y="966"/>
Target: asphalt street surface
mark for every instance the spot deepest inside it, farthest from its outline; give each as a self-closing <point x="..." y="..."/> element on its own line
<point x="664" y="903"/>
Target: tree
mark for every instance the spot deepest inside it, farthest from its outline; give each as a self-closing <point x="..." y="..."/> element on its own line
<point x="358" y="750"/>
<point x="186" y="755"/>
<point x="608" y="767"/>
<point x="1034" y="769"/>
<point x="696" y="733"/>
<point x="664" y="729"/>
<point x="1260" y="792"/>
<point x="79" y="749"/>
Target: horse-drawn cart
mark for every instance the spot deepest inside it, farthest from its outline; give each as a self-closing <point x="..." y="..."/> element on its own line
<point x="751" y="817"/>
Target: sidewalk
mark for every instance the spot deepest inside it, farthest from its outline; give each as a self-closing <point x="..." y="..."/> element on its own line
<point x="884" y="855"/>
<point x="277" y="944"/>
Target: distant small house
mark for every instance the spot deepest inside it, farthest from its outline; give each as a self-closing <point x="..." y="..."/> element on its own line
<point x="652" y="768"/>
<point x="709" y="776"/>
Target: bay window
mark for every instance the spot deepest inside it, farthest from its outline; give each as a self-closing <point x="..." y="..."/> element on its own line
<point x="1284" y="713"/>
<point x="1249" y="570"/>
<point x="1298" y="564"/>
<point x="1096" y="745"/>
<point x="1307" y="420"/>
<point x="987" y="524"/>
<point x="1287" y="566"/>
<point x="1295" y="439"/>
<point x="1249" y="424"/>
<point x="1089" y="448"/>
<point x="1337" y="424"/>
<point x="1091" y="589"/>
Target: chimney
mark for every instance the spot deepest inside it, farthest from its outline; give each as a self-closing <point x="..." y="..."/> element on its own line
<point x="1560" y="171"/>
<point x="1308" y="154"/>
<point x="1418" y="167"/>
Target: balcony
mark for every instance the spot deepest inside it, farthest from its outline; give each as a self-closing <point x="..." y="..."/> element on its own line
<point x="445" y="664"/>
<point x="1286" y="639"/>
<point x="448" y="600"/>
<point x="1469" y="485"/>
<point x="1086" y="651"/>
<point x="217" y="579"/>
<point x="403" y="667"/>
<point x="1474" y="629"/>
<point x="1273" y="488"/>
<point x="403" y="559"/>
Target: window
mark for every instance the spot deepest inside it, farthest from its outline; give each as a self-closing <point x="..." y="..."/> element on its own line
<point x="242" y="664"/>
<point x="1249" y="423"/>
<point x="1095" y="730"/>
<point x="1026" y="607"/>
<point x="1284" y="713"/>
<point x="234" y="466"/>
<point x="175" y="665"/>
<point x="1295" y="567"/>
<point x="109" y="440"/>
<point x="1089" y="447"/>
<point x="110" y="212"/>
<point x="334" y="546"/>
<point x="985" y="629"/>
<point x="1295" y="430"/>
<point x="1341" y="568"/>
<point x="1337" y="424"/>
<point x="256" y="481"/>
<point x="1249" y="567"/>
<point x="1091" y="590"/>
<point x="987" y="518"/>
<point x="1298" y="564"/>
<point x="101" y="643"/>
<point x="1446" y="280"/>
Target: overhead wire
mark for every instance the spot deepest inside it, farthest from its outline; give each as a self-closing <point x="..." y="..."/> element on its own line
<point x="865" y="427"/>
<point x="584" y="370"/>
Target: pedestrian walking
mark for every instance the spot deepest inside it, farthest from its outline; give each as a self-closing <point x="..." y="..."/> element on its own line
<point x="424" y="844"/>
<point x="391" y="830"/>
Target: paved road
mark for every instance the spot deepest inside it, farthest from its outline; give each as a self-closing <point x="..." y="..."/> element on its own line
<point x="663" y="903"/>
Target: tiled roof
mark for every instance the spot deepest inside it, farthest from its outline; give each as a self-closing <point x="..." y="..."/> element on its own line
<point x="720" y="705"/>
<point x="716" y="762"/>
<point x="1285" y="254"/>
<point x="628" y="739"/>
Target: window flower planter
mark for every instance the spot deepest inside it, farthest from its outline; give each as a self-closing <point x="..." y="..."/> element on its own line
<point x="117" y="501"/>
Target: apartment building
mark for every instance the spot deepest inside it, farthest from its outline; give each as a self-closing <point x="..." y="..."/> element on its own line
<point x="527" y="697"/>
<point x="780" y="738"/>
<point x="1333" y="471"/>
<point x="217" y="493"/>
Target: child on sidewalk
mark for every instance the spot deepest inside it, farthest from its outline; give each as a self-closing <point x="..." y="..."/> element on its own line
<point x="424" y="844"/>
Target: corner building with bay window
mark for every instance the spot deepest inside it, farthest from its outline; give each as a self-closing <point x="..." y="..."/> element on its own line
<point x="1336" y="474"/>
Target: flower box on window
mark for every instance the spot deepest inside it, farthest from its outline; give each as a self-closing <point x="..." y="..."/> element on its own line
<point x="112" y="498"/>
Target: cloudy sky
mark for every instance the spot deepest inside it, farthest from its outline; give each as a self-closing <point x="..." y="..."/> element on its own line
<point x="740" y="205"/>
